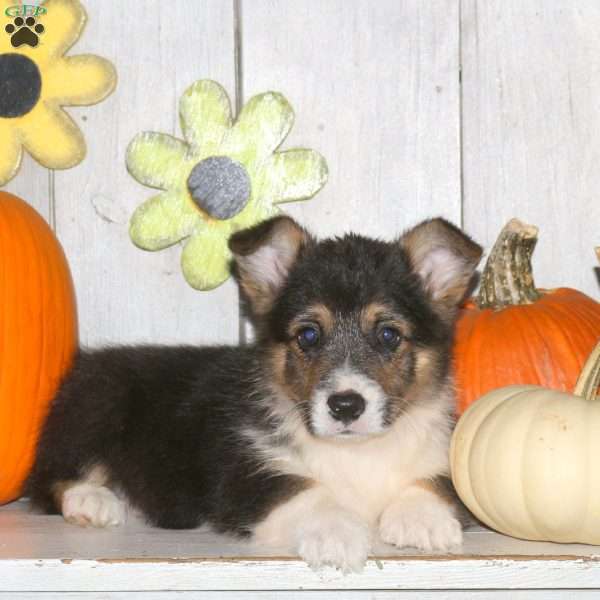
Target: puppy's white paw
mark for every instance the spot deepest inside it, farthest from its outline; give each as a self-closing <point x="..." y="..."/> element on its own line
<point x="87" y="504"/>
<point x="421" y="520"/>
<point x="334" y="538"/>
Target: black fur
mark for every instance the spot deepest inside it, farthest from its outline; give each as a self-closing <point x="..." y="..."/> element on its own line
<point x="165" y="423"/>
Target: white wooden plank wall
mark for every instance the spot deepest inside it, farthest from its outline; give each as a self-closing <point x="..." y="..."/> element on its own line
<point x="531" y="129"/>
<point x="34" y="184"/>
<point x="376" y="89"/>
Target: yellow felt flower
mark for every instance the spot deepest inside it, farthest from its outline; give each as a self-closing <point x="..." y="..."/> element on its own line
<point x="225" y="176"/>
<point x="37" y="79"/>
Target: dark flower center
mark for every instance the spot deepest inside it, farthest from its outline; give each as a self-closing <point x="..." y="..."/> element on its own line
<point x="20" y="85"/>
<point x="220" y="186"/>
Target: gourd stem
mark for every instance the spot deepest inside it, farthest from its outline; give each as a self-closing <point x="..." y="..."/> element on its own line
<point x="589" y="379"/>
<point x="507" y="277"/>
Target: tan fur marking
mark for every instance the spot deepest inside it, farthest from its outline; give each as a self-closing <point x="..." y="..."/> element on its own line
<point x="297" y="388"/>
<point x="317" y="313"/>
<point x="435" y="488"/>
<point x="390" y="374"/>
<point x="261" y="303"/>
<point x="376" y="312"/>
<point x="425" y="365"/>
<point x="292" y="231"/>
<point x="392" y="377"/>
<point x="277" y="358"/>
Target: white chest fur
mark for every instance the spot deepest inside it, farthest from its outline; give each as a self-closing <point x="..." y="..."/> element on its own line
<point x="366" y="475"/>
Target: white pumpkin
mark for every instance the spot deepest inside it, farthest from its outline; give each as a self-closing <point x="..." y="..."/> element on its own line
<point x="526" y="460"/>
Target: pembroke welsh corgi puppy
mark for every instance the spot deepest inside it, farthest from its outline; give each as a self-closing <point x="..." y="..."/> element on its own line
<point x="331" y="428"/>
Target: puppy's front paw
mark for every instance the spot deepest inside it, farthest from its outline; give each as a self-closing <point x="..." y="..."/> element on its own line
<point x="86" y="504"/>
<point x="420" y="520"/>
<point x="334" y="538"/>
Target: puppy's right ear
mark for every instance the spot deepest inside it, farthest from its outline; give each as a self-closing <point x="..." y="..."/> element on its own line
<point x="263" y="256"/>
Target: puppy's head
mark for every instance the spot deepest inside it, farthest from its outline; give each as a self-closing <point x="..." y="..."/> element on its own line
<point x="355" y="330"/>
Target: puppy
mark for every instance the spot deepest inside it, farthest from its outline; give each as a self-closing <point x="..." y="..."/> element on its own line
<point x="331" y="428"/>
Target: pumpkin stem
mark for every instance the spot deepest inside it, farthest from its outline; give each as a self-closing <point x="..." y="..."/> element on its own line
<point x="507" y="278"/>
<point x="589" y="379"/>
<point x="597" y="250"/>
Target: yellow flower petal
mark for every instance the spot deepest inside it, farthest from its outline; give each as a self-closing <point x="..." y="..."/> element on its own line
<point x="163" y="220"/>
<point x="84" y="79"/>
<point x="159" y="160"/>
<point x="205" y="116"/>
<point x="10" y="157"/>
<point x="51" y="137"/>
<point x="291" y="175"/>
<point x="205" y="258"/>
<point x="63" y="22"/>
<point x="261" y="127"/>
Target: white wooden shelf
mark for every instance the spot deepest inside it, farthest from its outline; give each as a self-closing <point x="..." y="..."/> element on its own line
<point x="43" y="557"/>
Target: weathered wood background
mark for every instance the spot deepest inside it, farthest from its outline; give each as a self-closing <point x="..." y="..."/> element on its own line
<point x="477" y="110"/>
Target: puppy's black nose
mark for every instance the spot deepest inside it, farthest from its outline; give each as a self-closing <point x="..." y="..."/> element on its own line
<point x="346" y="406"/>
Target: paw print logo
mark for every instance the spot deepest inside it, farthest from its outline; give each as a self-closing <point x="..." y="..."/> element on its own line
<point x="24" y="31"/>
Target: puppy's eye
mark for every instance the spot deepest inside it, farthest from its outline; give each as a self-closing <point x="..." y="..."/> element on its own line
<point x="308" y="337"/>
<point x="388" y="337"/>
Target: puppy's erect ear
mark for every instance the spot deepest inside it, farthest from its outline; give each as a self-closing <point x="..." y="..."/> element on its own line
<point x="444" y="258"/>
<point x="263" y="256"/>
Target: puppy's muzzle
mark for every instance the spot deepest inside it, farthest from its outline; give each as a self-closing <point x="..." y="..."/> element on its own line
<point x="346" y="406"/>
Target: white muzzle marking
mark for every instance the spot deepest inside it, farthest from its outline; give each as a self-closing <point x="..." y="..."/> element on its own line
<point x="346" y="379"/>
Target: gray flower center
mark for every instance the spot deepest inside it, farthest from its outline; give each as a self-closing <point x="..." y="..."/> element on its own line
<point x="20" y="85"/>
<point x="220" y="186"/>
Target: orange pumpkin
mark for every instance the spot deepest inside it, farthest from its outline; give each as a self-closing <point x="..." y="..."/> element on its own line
<point x="513" y="333"/>
<point x="38" y="334"/>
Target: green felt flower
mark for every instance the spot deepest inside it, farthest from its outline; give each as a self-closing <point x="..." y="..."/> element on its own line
<point x="224" y="177"/>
